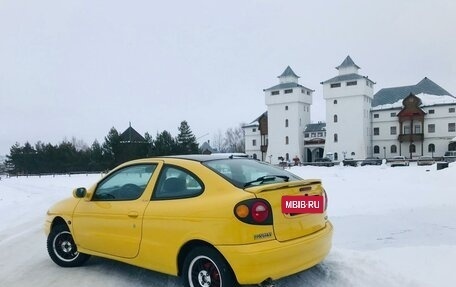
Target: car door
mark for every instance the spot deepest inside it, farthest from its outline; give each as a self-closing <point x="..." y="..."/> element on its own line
<point x="111" y="221"/>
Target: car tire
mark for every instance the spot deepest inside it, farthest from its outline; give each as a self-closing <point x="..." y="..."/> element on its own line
<point x="205" y="267"/>
<point x="62" y="248"/>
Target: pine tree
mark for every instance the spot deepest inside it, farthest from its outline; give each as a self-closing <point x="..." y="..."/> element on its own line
<point x="186" y="141"/>
<point x="111" y="148"/>
<point x="164" y="144"/>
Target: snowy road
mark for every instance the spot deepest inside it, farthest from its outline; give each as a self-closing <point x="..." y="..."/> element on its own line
<point x="393" y="227"/>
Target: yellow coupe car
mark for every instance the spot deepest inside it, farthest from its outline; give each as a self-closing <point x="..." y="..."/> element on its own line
<point x="213" y="220"/>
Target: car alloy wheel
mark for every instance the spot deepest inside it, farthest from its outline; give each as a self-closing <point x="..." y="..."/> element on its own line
<point x="203" y="272"/>
<point x="64" y="246"/>
<point x="62" y="249"/>
<point x="205" y="267"/>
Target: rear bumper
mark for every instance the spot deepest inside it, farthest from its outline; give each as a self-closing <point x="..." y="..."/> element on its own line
<point x="254" y="263"/>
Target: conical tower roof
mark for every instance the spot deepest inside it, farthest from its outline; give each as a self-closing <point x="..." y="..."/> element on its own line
<point x="348" y="62"/>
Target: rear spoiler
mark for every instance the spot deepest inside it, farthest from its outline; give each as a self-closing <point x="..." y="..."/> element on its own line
<point x="286" y="184"/>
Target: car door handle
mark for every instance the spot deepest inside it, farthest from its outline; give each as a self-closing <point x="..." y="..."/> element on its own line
<point x="133" y="214"/>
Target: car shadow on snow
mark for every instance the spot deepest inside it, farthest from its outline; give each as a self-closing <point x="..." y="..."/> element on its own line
<point x="342" y="268"/>
<point x="121" y="274"/>
<point x="114" y="273"/>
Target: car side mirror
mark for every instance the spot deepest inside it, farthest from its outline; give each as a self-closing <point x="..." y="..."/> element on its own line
<point x="80" y="192"/>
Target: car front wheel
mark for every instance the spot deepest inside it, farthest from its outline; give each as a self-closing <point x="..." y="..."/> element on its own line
<point x="62" y="248"/>
<point x="205" y="267"/>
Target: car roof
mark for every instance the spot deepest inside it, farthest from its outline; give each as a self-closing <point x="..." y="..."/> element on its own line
<point x="207" y="157"/>
<point x="191" y="157"/>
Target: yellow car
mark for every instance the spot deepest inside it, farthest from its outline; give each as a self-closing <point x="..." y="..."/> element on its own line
<point x="213" y="220"/>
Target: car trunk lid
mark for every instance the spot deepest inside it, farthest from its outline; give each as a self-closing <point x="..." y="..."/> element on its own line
<point x="290" y="226"/>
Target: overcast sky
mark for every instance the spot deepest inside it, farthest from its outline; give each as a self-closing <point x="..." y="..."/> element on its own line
<point x="77" y="68"/>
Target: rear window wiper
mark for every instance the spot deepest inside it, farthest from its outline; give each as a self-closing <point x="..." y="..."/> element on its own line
<point x="266" y="178"/>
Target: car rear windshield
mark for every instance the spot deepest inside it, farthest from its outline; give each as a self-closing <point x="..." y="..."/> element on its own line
<point x="247" y="172"/>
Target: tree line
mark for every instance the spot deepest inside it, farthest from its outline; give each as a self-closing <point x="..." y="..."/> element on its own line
<point x="75" y="156"/>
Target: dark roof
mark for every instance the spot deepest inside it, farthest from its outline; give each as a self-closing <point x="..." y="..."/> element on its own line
<point x="348" y="62"/>
<point x="315" y="127"/>
<point x="255" y="122"/>
<point x="130" y="135"/>
<point x="286" y="86"/>
<point x="347" y="77"/>
<point x="392" y="95"/>
<point x="288" y="73"/>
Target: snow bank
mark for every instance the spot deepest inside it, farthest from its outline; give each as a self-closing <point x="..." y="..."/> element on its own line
<point x="393" y="227"/>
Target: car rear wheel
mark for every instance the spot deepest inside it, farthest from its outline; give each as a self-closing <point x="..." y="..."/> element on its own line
<point x="205" y="267"/>
<point x="62" y="248"/>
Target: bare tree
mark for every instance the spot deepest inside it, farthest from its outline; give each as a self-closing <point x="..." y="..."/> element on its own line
<point x="218" y="141"/>
<point x="234" y="139"/>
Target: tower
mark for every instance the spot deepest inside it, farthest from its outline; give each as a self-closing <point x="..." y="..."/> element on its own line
<point x="348" y="99"/>
<point x="288" y="106"/>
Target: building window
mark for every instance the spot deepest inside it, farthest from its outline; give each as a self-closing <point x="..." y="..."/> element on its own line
<point x="335" y="118"/>
<point x="406" y="130"/>
<point x="253" y="142"/>
<point x="392" y="115"/>
<point x="288" y="91"/>
<point x="417" y="129"/>
<point x="335" y="85"/>
<point x="451" y="127"/>
<point x="313" y="135"/>
<point x="451" y="110"/>
<point x="306" y="135"/>
<point x="287" y="156"/>
<point x="308" y="93"/>
<point x="376" y="131"/>
<point x="273" y="93"/>
<point x="253" y="130"/>
<point x="320" y="134"/>
<point x="376" y="116"/>
<point x="286" y="123"/>
<point x="336" y="156"/>
<point x="431" y="128"/>
<point x="431" y="111"/>
<point x="286" y="108"/>
<point x="352" y="83"/>
<point x="393" y="130"/>
<point x="336" y="138"/>
<point x="393" y="149"/>
<point x="376" y="149"/>
<point x="412" y="148"/>
<point x="431" y="148"/>
<point x="335" y="102"/>
<point x="286" y="140"/>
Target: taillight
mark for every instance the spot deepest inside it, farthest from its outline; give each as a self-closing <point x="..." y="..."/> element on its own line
<point x="260" y="211"/>
<point x="254" y="211"/>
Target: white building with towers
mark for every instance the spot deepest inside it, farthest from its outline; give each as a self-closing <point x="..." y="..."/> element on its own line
<point x="411" y="121"/>
<point x="348" y="99"/>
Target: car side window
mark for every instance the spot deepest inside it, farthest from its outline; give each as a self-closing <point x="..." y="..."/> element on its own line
<point x="175" y="183"/>
<point x="125" y="184"/>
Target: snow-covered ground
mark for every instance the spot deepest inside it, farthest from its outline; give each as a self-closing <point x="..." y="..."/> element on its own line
<point x="393" y="227"/>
